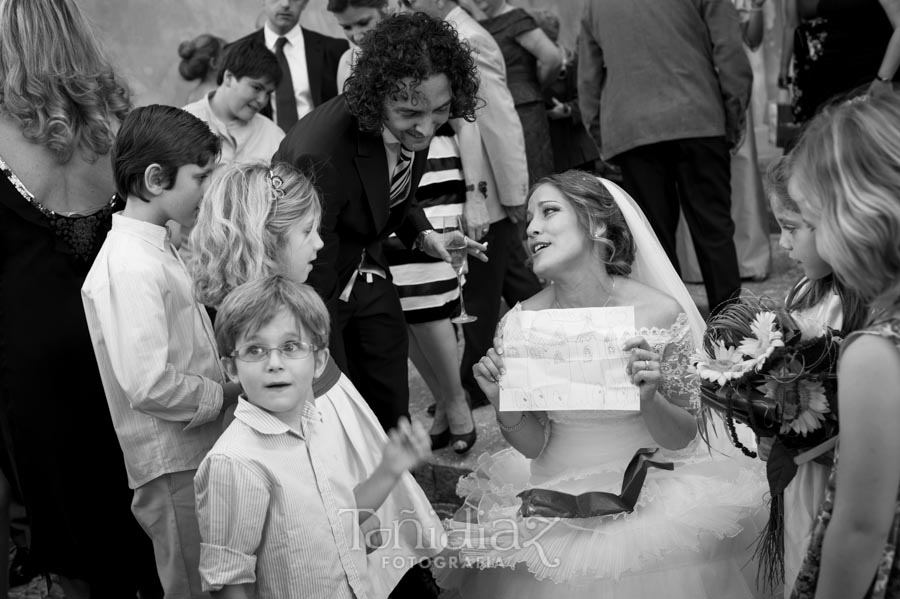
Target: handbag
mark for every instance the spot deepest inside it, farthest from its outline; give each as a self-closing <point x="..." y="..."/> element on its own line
<point x="783" y="129"/>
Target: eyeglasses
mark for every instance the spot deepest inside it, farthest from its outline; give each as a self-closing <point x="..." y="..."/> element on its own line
<point x="293" y="350"/>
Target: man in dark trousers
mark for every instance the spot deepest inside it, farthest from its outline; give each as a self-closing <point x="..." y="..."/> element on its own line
<point x="308" y="62"/>
<point x="366" y="152"/>
<point x="667" y="110"/>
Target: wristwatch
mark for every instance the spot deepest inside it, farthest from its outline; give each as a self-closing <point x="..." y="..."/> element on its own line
<point x="420" y="238"/>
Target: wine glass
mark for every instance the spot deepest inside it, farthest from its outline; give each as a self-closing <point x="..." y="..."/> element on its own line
<point x="455" y="244"/>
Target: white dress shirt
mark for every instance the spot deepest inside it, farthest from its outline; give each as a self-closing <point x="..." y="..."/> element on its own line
<point x="295" y="53"/>
<point x="155" y="349"/>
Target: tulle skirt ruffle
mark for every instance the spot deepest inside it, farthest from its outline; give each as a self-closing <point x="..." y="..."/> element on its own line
<point x="690" y="534"/>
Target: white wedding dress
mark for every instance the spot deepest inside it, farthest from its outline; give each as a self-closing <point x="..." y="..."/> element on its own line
<point x="690" y="535"/>
<point x="692" y="531"/>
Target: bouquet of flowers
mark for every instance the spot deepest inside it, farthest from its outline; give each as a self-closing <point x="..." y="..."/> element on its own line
<point x="773" y="371"/>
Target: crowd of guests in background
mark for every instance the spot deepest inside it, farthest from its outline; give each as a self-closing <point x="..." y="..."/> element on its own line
<point x="244" y="279"/>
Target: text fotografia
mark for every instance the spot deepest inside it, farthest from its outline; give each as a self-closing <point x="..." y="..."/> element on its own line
<point x="442" y="562"/>
<point x="471" y="547"/>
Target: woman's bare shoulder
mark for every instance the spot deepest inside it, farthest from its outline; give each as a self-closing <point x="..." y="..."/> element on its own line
<point x="79" y="185"/>
<point x="652" y="308"/>
<point x="541" y="300"/>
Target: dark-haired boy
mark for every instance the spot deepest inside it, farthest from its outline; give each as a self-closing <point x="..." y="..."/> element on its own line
<point x="154" y="343"/>
<point x="248" y="75"/>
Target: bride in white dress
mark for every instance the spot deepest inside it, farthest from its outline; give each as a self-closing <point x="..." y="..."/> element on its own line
<point x="688" y="535"/>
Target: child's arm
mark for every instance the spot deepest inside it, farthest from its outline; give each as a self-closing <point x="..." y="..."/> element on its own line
<point x="143" y="339"/>
<point x="408" y="445"/>
<point x="868" y="475"/>
<point x="232" y="504"/>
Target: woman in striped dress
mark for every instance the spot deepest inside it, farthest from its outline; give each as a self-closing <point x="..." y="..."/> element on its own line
<point x="429" y="294"/>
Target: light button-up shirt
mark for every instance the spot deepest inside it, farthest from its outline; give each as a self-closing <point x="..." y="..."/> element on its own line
<point x="155" y="349"/>
<point x="250" y="141"/>
<point x="268" y="513"/>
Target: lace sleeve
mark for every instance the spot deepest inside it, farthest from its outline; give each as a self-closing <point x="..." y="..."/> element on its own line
<point x="679" y="384"/>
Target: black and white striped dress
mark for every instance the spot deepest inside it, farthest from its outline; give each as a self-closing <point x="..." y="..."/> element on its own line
<point x="428" y="287"/>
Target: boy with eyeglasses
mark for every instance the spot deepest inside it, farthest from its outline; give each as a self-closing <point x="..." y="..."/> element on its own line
<point x="269" y="515"/>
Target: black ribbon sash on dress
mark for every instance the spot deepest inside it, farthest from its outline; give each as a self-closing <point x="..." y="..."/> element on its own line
<point x="555" y="504"/>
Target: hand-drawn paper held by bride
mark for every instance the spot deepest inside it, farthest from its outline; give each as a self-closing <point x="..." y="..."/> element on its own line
<point x="568" y="359"/>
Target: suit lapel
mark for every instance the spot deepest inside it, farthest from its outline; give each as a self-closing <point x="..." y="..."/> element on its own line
<point x="420" y="164"/>
<point x="371" y="163"/>
<point x="315" y="59"/>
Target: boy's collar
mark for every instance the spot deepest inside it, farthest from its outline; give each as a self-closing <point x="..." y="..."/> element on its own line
<point x="267" y="424"/>
<point x="150" y="232"/>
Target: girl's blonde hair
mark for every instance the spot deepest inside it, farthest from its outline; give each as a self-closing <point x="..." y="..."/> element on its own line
<point x="240" y="231"/>
<point x="848" y="165"/>
<point x="55" y="82"/>
<point x="777" y="176"/>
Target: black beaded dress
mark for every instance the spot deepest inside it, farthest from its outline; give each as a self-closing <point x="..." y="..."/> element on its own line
<point x="837" y="54"/>
<point x="60" y="451"/>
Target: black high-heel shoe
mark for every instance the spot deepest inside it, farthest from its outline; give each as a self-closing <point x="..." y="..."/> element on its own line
<point x="464" y="442"/>
<point x="440" y="440"/>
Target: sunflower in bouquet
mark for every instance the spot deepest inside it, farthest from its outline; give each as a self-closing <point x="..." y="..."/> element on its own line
<point x="773" y="371"/>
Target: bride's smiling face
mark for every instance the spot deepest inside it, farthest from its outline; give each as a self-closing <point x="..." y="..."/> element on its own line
<point x="555" y="237"/>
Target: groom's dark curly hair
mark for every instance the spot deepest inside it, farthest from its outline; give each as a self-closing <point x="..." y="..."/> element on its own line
<point x="415" y="46"/>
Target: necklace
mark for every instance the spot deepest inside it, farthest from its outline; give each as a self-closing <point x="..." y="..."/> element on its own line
<point x="605" y="304"/>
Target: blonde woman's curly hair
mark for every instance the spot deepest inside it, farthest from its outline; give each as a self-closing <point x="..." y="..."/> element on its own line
<point x="244" y="218"/>
<point x="55" y="82"/>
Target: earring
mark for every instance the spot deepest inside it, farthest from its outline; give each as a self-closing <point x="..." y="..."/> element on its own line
<point x="596" y="235"/>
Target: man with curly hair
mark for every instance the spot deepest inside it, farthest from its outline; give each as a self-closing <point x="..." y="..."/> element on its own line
<point x="366" y="151"/>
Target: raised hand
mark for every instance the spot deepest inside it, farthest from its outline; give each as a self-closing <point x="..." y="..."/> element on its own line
<point x="408" y="446"/>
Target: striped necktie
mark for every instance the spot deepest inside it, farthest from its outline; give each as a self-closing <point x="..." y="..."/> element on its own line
<point x="401" y="176"/>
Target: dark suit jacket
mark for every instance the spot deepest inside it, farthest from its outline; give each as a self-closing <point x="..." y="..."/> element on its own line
<point x="349" y="169"/>
<point x="323" y="54"/>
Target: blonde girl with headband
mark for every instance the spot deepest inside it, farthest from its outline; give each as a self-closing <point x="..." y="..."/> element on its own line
<point x="846" y="179"/>
<point x="258" y="221"/>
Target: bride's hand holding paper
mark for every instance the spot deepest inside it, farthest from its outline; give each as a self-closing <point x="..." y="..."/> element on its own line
<point x="488" y="371"/>
<point x="643" y="368"/>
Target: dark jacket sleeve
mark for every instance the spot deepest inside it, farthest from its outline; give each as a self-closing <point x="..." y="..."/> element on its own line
<point x="591" y="77"/>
